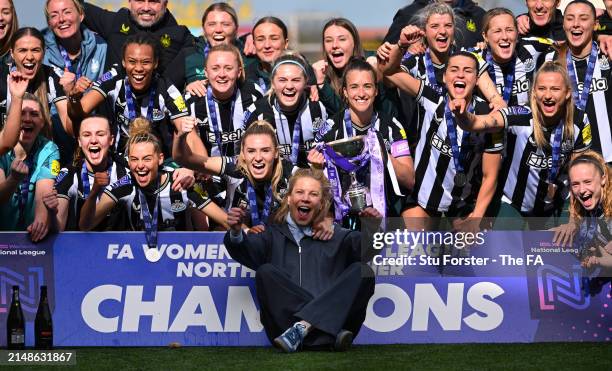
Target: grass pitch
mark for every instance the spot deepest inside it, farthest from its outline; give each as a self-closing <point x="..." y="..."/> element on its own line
<point x="548" y="356"/>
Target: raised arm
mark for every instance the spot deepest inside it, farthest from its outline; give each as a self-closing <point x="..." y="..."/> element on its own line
<point x="489" y="90"/>
<point x="10" y="133"/>
<point x="490" y="123"/>
<point x="389" y="57"/>
<point x="40" y="225"/>
<point x="183" y="154"/>
<point x="80" y="105"/>
<point x="93" y="213"/>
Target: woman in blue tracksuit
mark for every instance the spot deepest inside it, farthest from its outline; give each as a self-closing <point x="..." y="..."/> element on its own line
<point x="73" y="48"/>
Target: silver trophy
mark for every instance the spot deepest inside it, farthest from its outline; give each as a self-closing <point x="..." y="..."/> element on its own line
<point x="357" y="194"/>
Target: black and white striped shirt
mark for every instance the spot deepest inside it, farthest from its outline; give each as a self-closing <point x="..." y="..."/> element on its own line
<point x="527" y="53"/>
<point x="599" y="103"/>
<point x="169" y="105"/>
<point x="55" y="92"/>
<point x="69" y="185"/>
<point x="173" y="205"/>
<point x="312" y="116"/>
<point x="231" y="128"/>
<point x="234" y="194"/>
<point x="526" y="166"/>
<point x="434" y="187"/>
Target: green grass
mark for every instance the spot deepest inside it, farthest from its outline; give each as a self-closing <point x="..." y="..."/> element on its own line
<point x="550" y="356"/>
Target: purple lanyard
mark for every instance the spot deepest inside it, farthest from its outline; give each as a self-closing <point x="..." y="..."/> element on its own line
<point x="452" y="137"/>
<point x="431" y="75"/>
<point x="556" y="153"/>
<point x="581" y="99"/>
<point x="106" y="76"/>
<point x="150" y="222"/>
<point x="348" y="123"/>
<point x="215" y="122"/>
<point x="85" y="178"/>
<point x="297" y="131"/>
<point x="24" y="187"/>
<point x="67" y="62"/>
<point x="255" y="219"/>
<point x="129" y="99"/>
<point x="509" y="81"/>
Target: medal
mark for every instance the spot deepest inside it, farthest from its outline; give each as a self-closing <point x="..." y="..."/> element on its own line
<point x="460" y="179"/>
<point x="551" y="190"/>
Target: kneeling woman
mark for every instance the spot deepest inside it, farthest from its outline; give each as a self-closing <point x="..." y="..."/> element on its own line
<point x="317" y="292"/>
<point x="146" y="193"/>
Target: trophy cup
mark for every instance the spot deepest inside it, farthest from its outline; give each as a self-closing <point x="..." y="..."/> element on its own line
<point x="350" y="150"/>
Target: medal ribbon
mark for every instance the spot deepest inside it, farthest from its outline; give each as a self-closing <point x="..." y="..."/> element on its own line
<point x="556" y="153"/>
<point x="150" y="222"/>
<point x="129" y="99"/>
<point x="67" y="62"/>
<point x="85" y="178"/>
<point x="215" y="121"/>
<point x="452" y="137"/>
<point x="265" y="212"/>
<point x="297" y="131"/>
<point x="509" y="81"/>
<point x="581" y="99"/>
<point x="431" y="75"/>
<point x="24" y="187"/>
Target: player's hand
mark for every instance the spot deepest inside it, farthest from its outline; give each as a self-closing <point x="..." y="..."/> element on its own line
<point x="197" y="88"/>
<point x="235" y="216"/>
<point x="410" y="35"/>
<point x="182" y="179"/>
<point x="249" y="46"/>
<point x="523" y="24"/>
<point x="80" y="87"/>
<point x="50" y="201"/>
<point x="101" y="180"/>
<point x="564" y="234"/>
<point x="319" y="68"/>
<point x="19" y="170"/>
<point x="316" y="158"/>
<point x="256" y="229"/>
<point x="323" y="230"/>
<point x="18" y="84"/>
<point x="38" y="229"/>
<point x="186" y="125"/>
<point x="68" y="80"/>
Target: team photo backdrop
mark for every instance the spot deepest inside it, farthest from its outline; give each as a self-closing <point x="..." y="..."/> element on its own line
<point x="514" y="287"/>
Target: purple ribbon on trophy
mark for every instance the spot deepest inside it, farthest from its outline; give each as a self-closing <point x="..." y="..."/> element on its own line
<point x="370" y="155"/>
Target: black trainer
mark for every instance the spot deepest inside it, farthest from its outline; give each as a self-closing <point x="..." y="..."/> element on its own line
<point x="344" y="339"/>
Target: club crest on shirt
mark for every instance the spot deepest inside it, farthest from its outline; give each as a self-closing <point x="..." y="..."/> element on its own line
<point x="470" y="25"/>
<point x="95" y="66"/>
<point x="529" y="64"/>
<point x="178" y="206"/>
<point x="55" y="167"/>
<point x="158" y="114"/>
<point x="243" y="204"/>
<point x="604" y="63"/>
<point x="165" y="40"/>
<point x="125" y="180"/>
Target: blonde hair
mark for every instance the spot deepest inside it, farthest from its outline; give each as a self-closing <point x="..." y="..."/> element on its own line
<point x="576" y="210"/>
<point x="77" y="4"/>
<point x="261" y="127"/>
<point x="140" y="132"/>
<point x="14" y="26"/>
<point x="46" y="129"/>
<point x="231" y="49"/>
<point x="326" y="195"/>
<point x="538" y="118"/>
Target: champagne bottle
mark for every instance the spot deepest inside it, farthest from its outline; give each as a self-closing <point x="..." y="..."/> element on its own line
<point x="15" y="324"/>
<point x="43" y="326"/>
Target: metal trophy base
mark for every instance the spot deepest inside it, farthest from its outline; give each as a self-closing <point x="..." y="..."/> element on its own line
<point x="357" y="193"/>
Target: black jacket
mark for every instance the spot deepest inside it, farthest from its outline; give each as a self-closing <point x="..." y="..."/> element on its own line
<point x="469" y="26"/>
<point x="115" y="27"/>
<point x="314" y="266"/>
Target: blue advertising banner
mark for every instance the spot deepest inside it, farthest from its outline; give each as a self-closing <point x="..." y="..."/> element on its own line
<point x="513" y="287"/>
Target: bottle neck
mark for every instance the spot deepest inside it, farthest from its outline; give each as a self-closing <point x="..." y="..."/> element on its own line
<point x="15" y="295"/>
